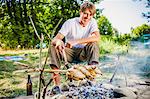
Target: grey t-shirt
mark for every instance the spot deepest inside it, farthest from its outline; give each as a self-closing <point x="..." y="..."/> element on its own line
<point x="72" y="29"/>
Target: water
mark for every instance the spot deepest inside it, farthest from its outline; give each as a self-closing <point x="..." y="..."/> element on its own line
<point x="12" y="58"/>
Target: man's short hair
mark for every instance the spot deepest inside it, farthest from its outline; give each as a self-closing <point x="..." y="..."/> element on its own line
<point x="88" y="5"/>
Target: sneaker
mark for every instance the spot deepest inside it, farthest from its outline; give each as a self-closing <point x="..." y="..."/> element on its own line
<point x="55" y="90"/>
<point x="93" y="63"/>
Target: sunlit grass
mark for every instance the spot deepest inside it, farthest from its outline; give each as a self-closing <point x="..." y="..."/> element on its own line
<point x="12" y="85"/>
<point x="108" y="45"/>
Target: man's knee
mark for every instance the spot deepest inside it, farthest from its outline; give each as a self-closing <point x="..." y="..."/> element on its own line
<point x="93" y="46"/>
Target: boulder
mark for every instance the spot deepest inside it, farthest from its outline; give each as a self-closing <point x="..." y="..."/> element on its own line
<point x="124" y="92"/>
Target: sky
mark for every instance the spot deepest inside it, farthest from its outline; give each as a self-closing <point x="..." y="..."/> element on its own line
<point x="124" y="14"/>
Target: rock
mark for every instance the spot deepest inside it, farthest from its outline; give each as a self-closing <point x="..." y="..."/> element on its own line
<point x="64" y="87"/>
<point x="59" y="96"/>
<point x="108" y="86"/>
<point x="25" y="97"/>
<point x="135" y="90"/>
<point x="73" y="84"/>
<point x="85" y="83"/>
<point x="62" y="97"/>
<point x="124" y="92"/>
<point x="145" y="94"/>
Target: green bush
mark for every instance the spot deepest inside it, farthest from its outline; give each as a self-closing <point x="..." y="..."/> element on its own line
<point x="110" y="45"/>
<point x="105" y="26"/>
<point x="140" y="30"/>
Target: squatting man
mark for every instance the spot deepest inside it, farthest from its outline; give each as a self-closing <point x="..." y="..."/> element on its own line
<point x="81" y="40"/>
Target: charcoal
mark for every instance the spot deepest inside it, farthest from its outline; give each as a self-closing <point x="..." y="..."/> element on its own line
<point x="64" y="87"/>
<point x="86" y="90"/>
<point x="71" y="84"/>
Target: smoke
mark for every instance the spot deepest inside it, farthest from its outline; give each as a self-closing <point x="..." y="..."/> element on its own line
<point x="133" y="65"/>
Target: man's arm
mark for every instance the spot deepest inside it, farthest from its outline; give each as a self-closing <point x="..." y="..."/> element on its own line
<point x="94" y="37"/>
<point x="57" y="38"/>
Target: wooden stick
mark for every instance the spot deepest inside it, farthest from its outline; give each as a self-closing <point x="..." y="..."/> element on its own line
<point x="40" y="67"/>
<point x="50" y="38"/>
<point x="45" y="88"/>
<point x="21" y="64"/>
<point x="38" y="70"/>
<point x="35" y="28"/>
<point x="65" y="58"/>
<point x="116" y="68"/>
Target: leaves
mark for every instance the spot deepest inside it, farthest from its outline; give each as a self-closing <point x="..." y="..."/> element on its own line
<point x="16" y="28"/>
<point x="105" y="26"/>
<point x="140" y="30"/>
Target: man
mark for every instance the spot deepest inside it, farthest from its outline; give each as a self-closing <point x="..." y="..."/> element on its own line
<point x="81" y="40"/>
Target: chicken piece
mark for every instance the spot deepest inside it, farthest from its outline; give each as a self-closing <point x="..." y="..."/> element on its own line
<point x="91" y="69"/>
<point x="75" y="74"/>
<point x="85" y="72"/>
<point x="98" y="71"/>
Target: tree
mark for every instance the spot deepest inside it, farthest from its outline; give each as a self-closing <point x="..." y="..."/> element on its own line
<point x="105" y="26"/>
<point x="16" y="28"/>
<point x="140" y="30"/>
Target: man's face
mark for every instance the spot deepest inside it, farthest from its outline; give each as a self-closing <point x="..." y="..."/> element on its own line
<point x="85" y="16"/>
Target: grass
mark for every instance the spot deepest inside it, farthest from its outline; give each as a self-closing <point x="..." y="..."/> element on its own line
<point x="13" y="85"/>
<point x="9" y="82"/>
<point x="109" y="46"/>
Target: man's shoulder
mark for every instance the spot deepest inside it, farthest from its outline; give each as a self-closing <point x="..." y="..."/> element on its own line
<point x="72" y="20"/>
<point x="93" y="20"/>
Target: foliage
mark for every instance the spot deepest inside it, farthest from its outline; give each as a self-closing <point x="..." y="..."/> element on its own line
<point x="13" y="29"/>
<point x="111" y="41"/>
<point x="123" y="39"/>
<point x="140" y="30"/>
<point x="15" y="26"/>
<point x="109" y="44"/>
<point x="105" y="26"/>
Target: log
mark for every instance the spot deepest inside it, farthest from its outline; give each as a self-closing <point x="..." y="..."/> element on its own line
<point x="146" y="84"/>
<point x="21" y="64"/>
<point x="38" y="70"/>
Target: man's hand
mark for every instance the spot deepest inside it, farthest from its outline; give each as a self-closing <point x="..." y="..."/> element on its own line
<point x="59" y="44"/>
<point x="70" y="44"/>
